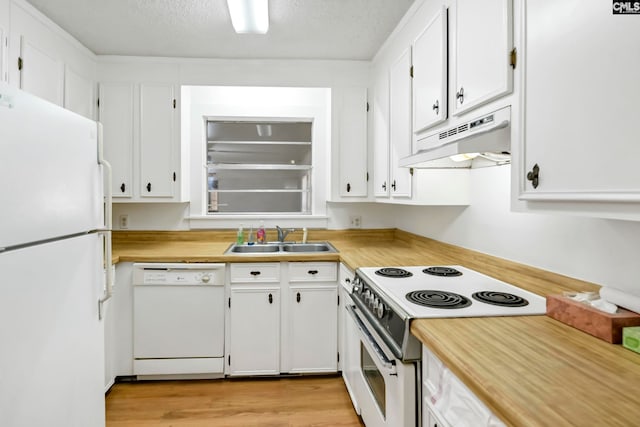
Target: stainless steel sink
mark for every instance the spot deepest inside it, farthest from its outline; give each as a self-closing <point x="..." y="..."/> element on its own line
<point x="308" y="247"/>
<point x="277" y="247"/>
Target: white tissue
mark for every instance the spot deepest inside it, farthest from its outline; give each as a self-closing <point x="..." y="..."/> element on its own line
<point x="605" y="306"/>
<point x="621" y="298"/>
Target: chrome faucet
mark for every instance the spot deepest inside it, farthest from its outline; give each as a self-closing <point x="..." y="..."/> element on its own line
<point x="282" y="234"/>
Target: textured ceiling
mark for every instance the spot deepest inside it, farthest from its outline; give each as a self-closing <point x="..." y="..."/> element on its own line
<point x="310" y="29"/>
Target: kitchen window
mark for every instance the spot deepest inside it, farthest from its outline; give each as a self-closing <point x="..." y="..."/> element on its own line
<point x="259" y="166"/>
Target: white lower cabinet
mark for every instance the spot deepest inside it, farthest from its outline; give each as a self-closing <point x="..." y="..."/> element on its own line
<point x="447" y="402"/>
<point x="255" y="331"/>
<point x="282" y="318"/>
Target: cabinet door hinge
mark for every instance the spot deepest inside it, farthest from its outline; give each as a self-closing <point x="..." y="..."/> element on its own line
<point x="174" y="104"/>
<point x="411" y="171"/>
<point x="411" y="71"/>
<point x="229" y="302"/>
<point x="229" y="360"/>
<point x="98" y="102"/>
<point x="20" y="63"/>
<point x="367" y="106"/>
<point x="174" y="177"/>
<point x="513" y="58"/>
<point x="338" y="357"/>
<point x="338" y="299"/>
<point x="367" y="176"/>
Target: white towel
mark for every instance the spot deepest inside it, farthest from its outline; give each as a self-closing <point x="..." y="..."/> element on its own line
<point x="621" y="298"/>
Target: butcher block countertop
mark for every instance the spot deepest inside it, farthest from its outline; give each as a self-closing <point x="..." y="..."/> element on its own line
<point x="530" y="371"/>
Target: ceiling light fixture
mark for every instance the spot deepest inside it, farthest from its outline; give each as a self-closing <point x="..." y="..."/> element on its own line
<point x="249" y="16"/>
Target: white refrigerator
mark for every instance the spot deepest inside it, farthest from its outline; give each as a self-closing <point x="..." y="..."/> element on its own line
<point x="54" y="246"/>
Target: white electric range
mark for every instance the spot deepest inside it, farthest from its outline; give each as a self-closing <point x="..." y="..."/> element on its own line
<point x="385" y="300"/>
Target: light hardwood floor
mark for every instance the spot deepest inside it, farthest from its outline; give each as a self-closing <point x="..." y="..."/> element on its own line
<point x="303" y="401"/>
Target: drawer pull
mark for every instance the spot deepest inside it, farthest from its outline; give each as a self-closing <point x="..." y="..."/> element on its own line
<point x="298" y="297"/>
<point x="270" y="299"/>
<point x="312" y="272"/>
<point x="255" y="273"/>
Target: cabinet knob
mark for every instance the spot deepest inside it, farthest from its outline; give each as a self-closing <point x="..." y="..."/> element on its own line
<point x="348" y="187"/>
<point x="394" y="185"/>
<point x="270" y="299"/>
<point x="122" y="187"/>
<point x="254" y="273"/>
<point x="460" y="95"/>
<point x="436" y="107"/>
<point x="149" y="187"/>
<point x="533" y="175"/>
<point x="298" y="297"/>
<point x="384" y="186"/>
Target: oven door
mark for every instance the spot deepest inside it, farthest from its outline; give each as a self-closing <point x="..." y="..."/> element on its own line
<point x="389" y="395"/>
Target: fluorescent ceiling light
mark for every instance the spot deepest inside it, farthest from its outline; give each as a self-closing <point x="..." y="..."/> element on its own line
<point x="249" y="16"/>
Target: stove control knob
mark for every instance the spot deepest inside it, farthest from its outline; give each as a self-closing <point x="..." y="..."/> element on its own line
<point x="380" y="310"/>
<point x="356" y="289"/>
<point x="374" y="303"/>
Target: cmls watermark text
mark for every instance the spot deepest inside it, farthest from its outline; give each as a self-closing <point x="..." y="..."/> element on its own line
<point x="626" y="7"/>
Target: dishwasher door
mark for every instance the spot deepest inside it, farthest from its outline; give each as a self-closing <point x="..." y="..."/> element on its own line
<point x="178" y="319"/>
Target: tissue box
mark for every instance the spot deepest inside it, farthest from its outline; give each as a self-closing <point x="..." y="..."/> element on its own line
<point x="631" y="338"/>
<point x="603" y="325"/>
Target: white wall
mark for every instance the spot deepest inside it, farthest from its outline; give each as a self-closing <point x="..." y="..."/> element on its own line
<point x="605" y="252"/>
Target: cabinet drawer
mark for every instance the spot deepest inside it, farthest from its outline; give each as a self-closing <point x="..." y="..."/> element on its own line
<point x="313" y="272"/>
<point x="255" y="272"/>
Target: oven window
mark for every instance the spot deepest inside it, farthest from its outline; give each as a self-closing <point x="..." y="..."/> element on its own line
<point x="374" y="378"/>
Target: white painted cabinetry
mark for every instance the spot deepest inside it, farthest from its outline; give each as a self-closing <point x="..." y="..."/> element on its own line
<point x="282" y="318"/>
<point x="310" y="321"/>
<point x="447" y="402"/>
<point x="380" y="114"/>
<point x="116" y="116"/>
<point x="140" y="128"/>
<point x="253" y="333"/>
<point x="579" y="136"/>
<point x="430" y="74"/>
<point x="78" y="93"/>
<point x="352" y="125"/>
<point x="482" y="40"/>
<point x="400" y="134"/>
<point x="41" y="72"/>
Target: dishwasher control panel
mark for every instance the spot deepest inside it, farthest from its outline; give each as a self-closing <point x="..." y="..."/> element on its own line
<point x="178" y="274"/>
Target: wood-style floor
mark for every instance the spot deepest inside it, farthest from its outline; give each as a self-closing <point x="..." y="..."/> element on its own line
<point x="303" y="401"/>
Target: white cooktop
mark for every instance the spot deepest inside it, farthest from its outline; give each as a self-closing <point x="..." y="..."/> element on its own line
<point x="396" y="288"/>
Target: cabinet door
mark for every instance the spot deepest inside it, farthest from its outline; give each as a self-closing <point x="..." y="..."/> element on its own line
<point x="116" y="116"/>
<point x="313" y="329"/>
<point x="4" y="43"/>
<point x="78" y="93"/>
<point x="353" y="143"/>
<point x="157" y="111"/>
<point x="483" y="42"/>
<point x="585" y="143"/>
<point x="401" y="136"/>
<point x="380" y="113"/>
<point x="254" y="331"/>
<point x="40" y="73"/>
<point x="430" y="74"/>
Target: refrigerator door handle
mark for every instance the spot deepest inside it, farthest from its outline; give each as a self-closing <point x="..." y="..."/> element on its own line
<point x="108" y="219"/>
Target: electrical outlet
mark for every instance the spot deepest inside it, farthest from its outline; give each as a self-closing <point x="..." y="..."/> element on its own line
<point x="356" y="221"/>
<point x="124" y="221"/>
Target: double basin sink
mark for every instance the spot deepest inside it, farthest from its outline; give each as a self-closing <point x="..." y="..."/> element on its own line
<point x="281" y="247"/>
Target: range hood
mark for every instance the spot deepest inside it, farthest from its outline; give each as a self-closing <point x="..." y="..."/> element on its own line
<point x="479" y="142"/>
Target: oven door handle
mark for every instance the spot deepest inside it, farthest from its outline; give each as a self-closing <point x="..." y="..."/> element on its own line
<point x="371" y="344"/>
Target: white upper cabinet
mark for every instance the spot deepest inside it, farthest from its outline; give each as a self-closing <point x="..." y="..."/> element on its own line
<point x="579" y="136"/>
<point x="157" y="138"/>
<point x="78" y="93"/>
<point x="116" y="116"/>
<point x="380" y="114"/>
<point x="482" y="40"/>
<point x="353" y="142"/>
<point x="430" y="74"/>
<point x="41" y="73"/>
<point x="401" y="136"/>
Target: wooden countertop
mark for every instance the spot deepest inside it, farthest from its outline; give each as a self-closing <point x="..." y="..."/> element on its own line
<point x="531" y="371"/>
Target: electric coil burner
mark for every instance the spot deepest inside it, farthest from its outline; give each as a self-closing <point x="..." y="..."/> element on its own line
<point x="500" y="298"/>
<point x="389" y="298"/>
<point x="393" y="272"/>
<point x="442" y="271"/>
<point x="438" y="299"/>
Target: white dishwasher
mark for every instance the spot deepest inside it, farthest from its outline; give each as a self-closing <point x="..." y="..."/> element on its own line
<point x="178" y="320"/>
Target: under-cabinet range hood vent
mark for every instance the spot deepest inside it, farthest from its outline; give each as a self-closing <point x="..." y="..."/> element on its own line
<point x="483" y="141"/>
